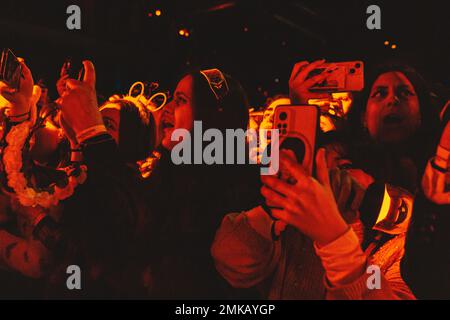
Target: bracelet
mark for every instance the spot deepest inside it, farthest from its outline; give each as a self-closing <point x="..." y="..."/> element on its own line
<point x="28" y="114"/>
<point x="20" y="115"/>
<point x="99" y="139"/>
<point x="91" y="132"/>
<point x="437" y="167"/>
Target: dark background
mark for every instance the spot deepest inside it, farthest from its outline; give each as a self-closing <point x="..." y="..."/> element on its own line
<point x="255" y="41"/>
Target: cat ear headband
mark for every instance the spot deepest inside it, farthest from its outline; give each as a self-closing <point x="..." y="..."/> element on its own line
<point x="149" y="103"/>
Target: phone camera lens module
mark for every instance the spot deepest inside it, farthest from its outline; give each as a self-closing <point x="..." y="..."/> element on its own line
<point x="283" y="116"/>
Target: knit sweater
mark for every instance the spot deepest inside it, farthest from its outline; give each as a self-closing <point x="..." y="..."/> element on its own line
<point x="291" y="268"/>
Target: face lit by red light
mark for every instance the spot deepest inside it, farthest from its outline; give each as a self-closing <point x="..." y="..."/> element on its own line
<point x="178" y="113"/>
<point x="392" y="113"/>
<point x="111" y="119"/>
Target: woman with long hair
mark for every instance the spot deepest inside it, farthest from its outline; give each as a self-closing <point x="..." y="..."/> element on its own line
<point x="193" y="198"/>
<point x="337" y="224"/>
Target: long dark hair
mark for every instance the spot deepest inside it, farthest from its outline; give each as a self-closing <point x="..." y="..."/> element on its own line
<point x="204" y="193"/>
<point x="137" y="131"/>
<point x="228" y="112"/>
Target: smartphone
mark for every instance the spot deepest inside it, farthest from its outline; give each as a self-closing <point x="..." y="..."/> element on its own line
<point x="346" y="76"/>
<point x="10" y="69"/>
<point x="298" y="126"/>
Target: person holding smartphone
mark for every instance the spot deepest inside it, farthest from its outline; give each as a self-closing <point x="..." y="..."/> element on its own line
<point x="319" y="241"/>
<point x="108" y="199"/>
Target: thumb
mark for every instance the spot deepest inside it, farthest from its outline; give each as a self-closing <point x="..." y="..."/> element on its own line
<point x="37" y="91"/>
<point x="36" y="94"/>
<point x="89" y="73"/>
<point x="26" y="83"/>
<point x="322" y="168"/>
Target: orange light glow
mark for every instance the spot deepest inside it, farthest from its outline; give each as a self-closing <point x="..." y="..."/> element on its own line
<point x="326" y="124"/>
<point x="181" y="32"/>
<point x="394" y="46"/>
<point x="158" y="13"/>
<point x="386" y="43"/>
<point x="345" y="98"/>
<point x="186" y="34"/>
<point x="395" y="211"/>
<point x="385" y="206"/>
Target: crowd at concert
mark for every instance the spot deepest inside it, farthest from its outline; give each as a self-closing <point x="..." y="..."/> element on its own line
<point x="93" y="184"/>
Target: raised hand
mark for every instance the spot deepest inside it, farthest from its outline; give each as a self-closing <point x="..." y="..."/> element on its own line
<point x="309" y="203"/>
<point x="20" y="101"/>
<point x="63" y="76"/>
<point x="299" y="86"/>
<point x="79" y="102"/>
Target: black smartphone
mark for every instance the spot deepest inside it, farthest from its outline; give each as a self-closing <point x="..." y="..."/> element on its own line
<point x="10" y="69"/>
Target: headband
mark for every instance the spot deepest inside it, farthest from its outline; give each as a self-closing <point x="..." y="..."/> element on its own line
<point x="140" y="97"/>
<point x="217" y="82"/>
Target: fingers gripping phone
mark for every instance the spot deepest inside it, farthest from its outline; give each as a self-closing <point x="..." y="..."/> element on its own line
<point x="10" y="69"/>
<point x="298" y="125"/>
<point x="344" y="76"/>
